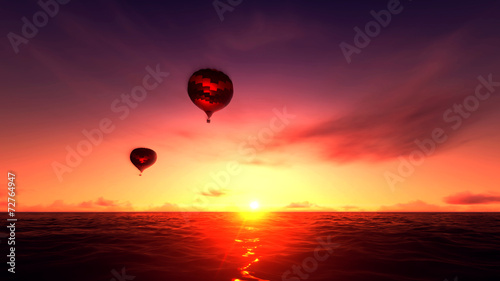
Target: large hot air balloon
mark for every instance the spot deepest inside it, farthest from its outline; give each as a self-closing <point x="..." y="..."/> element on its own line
<point x="211" y="90"/>
<point x="142" y="158"/>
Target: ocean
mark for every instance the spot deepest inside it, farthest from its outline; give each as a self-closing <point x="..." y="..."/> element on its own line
<point x="255" y="246"/>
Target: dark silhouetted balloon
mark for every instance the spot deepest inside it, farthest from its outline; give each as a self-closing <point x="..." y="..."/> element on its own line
<point x="211" y="90"/>
<point x="142" y="158"/>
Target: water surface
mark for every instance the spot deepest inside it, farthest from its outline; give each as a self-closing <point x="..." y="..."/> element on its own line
<point x="275" y="247"/>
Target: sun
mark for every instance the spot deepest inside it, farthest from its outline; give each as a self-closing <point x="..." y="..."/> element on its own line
<point x="254" y="205"/>
<point x="254" y="212"/>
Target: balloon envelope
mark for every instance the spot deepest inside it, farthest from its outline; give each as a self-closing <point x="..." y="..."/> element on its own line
<point x="210" y="90"/>
<point x="142" y="158"/>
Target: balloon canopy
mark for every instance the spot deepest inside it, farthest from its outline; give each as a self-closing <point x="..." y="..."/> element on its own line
<point x="142" y="158"/>
<point x="210" y="90"/>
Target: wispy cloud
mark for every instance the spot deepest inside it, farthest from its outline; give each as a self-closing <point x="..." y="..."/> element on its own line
<point x="167" y="207"/>
<point x="422" y="206"/>
<point x="265" y="162"/>
<point x="213" y="193"/>
<point x="100" y="202"/>
<point x="350" y="208"/>
<point x="398" y="110"/>
<point x="99" y="205"/>
<point x="304" y="204"/>
<point x="259" y="31"/>
<point x="416" y="206"/>
<point x="467" y="198"/>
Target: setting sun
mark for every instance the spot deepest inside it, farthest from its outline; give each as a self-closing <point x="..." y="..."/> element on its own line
<point x="254" y="205"/>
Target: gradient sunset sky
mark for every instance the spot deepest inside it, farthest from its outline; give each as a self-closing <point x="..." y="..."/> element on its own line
<point x="306" y="130"/>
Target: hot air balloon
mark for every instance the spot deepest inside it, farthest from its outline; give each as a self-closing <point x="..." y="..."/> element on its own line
<point x="142" y="158"/>
<point x="211" y="90"/>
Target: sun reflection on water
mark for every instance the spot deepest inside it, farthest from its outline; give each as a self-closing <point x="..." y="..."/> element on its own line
<point x="249" y="242"/>
<point x="252" y="215"/>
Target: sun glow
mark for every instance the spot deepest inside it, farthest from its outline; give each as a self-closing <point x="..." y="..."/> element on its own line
<point x="253" y="212"/>
<point x="254" y="205"/>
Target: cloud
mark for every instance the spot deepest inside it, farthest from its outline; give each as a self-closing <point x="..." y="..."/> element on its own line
<point x="396" y="108"/>
<point x="99" y="205"/>
<point x="379" y="131"/>
<point x="100" y="202"/>
<point x="259" y="31"/>
<point x="213" y="193"/>
<point x="421" y="206"/>
<point x="467" y="198"/>
<point x="103" y="205"/>
<point x="167" y="207"/>
<point x="265" y="162"/>
<point x="304" y="204"/>
<point x="415" y="206"/>
<point x="350" y="208"/>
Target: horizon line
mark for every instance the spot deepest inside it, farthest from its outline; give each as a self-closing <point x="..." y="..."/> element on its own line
<point x="256" y="212"/>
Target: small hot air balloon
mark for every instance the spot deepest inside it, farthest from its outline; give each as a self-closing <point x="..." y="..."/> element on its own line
<point x="142" y="158"/>
<point x="211" y="90"/>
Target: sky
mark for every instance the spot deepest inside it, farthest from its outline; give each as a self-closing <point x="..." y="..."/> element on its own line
<point x="352" y="106"/>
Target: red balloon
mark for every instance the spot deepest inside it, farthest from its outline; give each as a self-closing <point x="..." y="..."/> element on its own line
<point x="142" y="158"/>
<point x="211" y="90"/>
